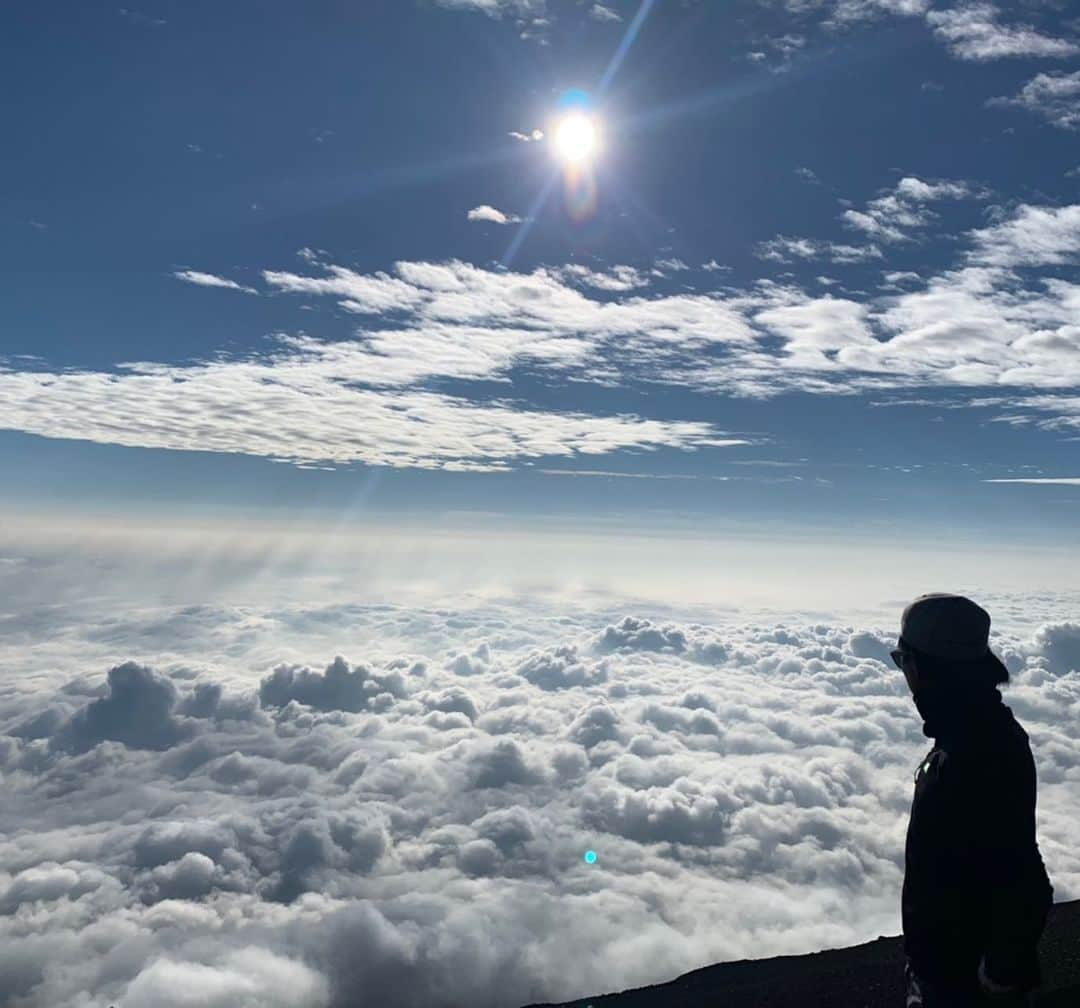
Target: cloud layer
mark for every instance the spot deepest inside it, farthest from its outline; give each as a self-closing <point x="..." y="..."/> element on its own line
<point x="409" y="825"/>
<point x="1005" y="316"/>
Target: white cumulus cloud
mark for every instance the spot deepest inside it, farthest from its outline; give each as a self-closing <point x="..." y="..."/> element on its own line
<point x="491" y="215"/>
<point x="892" y="216"/>
<point x="972" y="32"/>
<point x="1033" y="236"/>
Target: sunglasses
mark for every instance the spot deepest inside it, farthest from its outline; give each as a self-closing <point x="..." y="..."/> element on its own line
<point x="898" y="655"/>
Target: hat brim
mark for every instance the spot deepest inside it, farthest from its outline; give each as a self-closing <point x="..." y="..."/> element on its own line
<point x="988" y="664"/>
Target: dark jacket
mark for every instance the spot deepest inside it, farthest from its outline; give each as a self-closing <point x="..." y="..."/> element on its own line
<point x="974" y="881"/>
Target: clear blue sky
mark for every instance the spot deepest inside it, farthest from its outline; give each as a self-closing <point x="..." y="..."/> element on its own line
<point x="826" y="272"/>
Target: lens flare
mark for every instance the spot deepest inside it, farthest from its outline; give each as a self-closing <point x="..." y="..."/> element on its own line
<point x="576" y="138"/>
<point x="579" y="191"/>
<point x="575" y="143"/>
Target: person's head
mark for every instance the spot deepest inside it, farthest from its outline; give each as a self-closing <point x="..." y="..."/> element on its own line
<point x="944" y="643"/>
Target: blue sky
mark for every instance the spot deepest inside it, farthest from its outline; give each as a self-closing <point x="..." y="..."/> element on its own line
<point x="827" y="276"/>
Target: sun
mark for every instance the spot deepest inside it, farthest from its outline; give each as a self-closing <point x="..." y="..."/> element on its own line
<point x="576" y="138"/>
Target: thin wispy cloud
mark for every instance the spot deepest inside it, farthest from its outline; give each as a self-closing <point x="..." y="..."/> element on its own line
<point x="531" y="17"/>
<point x="1055" y="480"/>
<point x="617" y="278"/>
<point x="612" y="474"/>
<point x="845" y="12"/>
<point x="670" y="265"/>
<point x="138" y="17"/>
<point x="784" y="249"/>
<point x="973" y="32"/>
<point x="781" y="48"/>
<point x="1054" y="97"/>
<point x="210" y="280"/>
<point x="896" y="216"/>
<point x="497" y="8"/>
<point x="602" y="12"/>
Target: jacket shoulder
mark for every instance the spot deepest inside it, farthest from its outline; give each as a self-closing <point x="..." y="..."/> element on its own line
<point x="932" y="764"/>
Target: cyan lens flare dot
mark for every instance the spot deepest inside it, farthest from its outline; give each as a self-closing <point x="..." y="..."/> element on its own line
<point x="574" y="100"/>
<point x="590" y="856"/>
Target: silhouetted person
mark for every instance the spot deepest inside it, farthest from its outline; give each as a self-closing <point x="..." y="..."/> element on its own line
<point x="976" y="893"/>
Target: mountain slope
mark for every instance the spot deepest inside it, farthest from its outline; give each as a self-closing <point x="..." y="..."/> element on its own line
<point x="862" y="976"/>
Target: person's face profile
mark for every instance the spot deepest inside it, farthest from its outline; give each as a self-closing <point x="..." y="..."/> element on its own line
<point x="904" y="661"/>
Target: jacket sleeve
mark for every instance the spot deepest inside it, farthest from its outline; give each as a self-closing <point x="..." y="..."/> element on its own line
<point x="1009" y="869"/>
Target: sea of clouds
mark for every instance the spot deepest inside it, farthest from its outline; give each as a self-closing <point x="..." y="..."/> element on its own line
<point x="324" y="802"/>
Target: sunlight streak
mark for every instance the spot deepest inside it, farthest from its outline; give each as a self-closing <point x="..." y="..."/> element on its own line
<point x="624" y="46"/>
<point x="530" y="218"/>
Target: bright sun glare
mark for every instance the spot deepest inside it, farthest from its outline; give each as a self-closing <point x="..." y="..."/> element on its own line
<point x="576" y="138"/>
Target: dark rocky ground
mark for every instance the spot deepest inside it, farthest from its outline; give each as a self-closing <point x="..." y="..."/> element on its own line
<point x="863" y="976"/>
